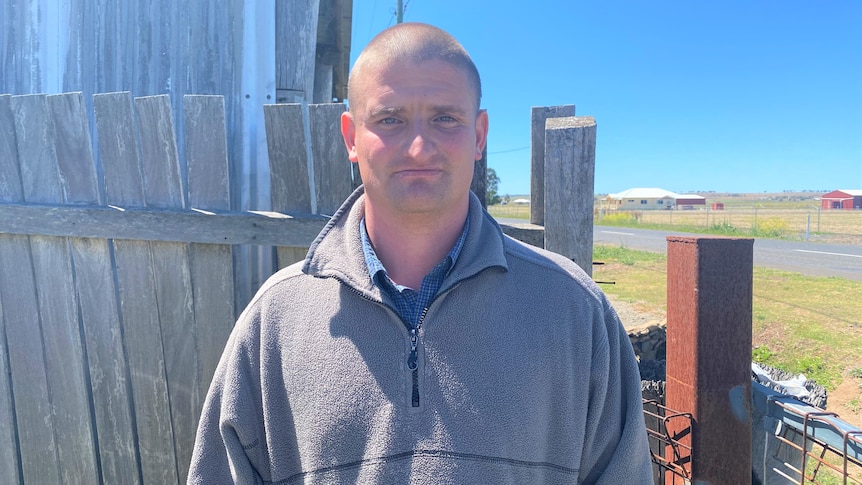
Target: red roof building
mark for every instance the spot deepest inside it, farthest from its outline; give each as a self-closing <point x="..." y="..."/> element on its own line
<point x="842" y="199"/>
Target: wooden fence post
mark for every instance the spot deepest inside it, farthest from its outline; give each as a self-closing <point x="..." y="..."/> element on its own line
<point x="709" y="298"/>
<point x="570" y="159"/>
<point x="538" y="117"/>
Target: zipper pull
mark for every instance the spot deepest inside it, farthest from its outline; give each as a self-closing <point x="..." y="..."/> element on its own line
<point x="414" y="341"/>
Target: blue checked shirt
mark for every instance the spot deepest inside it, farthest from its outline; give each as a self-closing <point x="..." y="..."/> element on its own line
<point x="409" y="303"/>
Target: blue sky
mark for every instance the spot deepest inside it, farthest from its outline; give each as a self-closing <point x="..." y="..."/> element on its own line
<point x="727" y="96"/>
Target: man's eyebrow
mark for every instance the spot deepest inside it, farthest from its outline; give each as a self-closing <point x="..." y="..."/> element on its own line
<point x="375" y="111"/>
<point x="455" y="109"/>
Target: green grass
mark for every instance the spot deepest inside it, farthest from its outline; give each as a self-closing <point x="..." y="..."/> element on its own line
<point x="802" y="324"/>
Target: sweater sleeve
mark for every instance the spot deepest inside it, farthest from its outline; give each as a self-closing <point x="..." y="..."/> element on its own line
<point x="227" y="437"/>
<point x="616" y="448"/>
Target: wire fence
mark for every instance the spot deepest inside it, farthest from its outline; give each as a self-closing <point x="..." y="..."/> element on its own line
<point x="752" y="219"/>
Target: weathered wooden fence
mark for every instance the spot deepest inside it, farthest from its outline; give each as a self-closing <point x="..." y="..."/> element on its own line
<point x="116" y="272"/>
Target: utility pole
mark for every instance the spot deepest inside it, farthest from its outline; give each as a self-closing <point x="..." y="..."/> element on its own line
<point x="399" y="12"/>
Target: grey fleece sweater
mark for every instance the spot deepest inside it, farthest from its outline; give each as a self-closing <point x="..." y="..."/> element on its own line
<point x="525" y="375"/>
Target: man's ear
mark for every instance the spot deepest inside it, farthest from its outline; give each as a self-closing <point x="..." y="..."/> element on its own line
<point x="348" y="132"/>
<point x="481" y="133"/>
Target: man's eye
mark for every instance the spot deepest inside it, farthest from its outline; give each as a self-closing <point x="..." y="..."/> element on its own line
<point x="445" y="119"/>
<point x="389" y="121"/>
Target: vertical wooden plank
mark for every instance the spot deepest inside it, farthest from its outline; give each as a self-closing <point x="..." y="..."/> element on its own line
<point x="94" y="284"/>
<point x="332" y="175"/>
<point x="295" y="45"/>
<point x="570" y="161"/>
<point x="138" y="304"/>
<point x="9" y="466"/>
<point x="11" y="191"/>
<point x="171" y="272"/>
<point x="479" y="185"/>
<point x="116" y="133"/>
<point x="538" y="116"/>
<point x="162" y="186"/>
<point x="206" y="152"/>
<point x="211" y="264"/>
<point x="76" y="169"/>
<point x="288" y="159"/>
<point x="57" y="301"/>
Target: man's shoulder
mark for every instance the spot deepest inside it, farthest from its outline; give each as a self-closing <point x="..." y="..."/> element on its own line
<point x="533" y="263"/>
<point x="541" y="259"/>
<point x="286" y="279"/>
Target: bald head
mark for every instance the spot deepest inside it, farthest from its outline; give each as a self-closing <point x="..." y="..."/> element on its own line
<point x="410" y="43"/>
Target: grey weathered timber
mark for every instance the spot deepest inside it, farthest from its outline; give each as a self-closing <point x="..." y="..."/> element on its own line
<point x="36" y="444"/>
<point x="159" y="157"/>
<point x="57" y="300"/>
<point x="206" y="152"/>
<point x="16" y="324"/>
<point x="479" y="185"/>
<point x="136" y="287"/>
<point x="116" y="133"/>
<point x="35" y="140"/>
<point x="332" y="176"/>
<point x="211" y="265"/>
<point x="570" y="159"/>
<point x="94" y="284"/>
<point x="290" y="187"/>
<point x="213" y="227"/>
<point x="288" y="159"/>
<point x="8" y="441"/>
<point x="172" y="273"/>
<point x="538" y="116"/>
<point x="73" y="148"/>
<point x="322" y="83"/>
<point x="295" y="44"/>
<point x="10" y="175"/>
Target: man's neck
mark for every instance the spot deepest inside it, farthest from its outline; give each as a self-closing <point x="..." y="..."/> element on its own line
<point x="410" y="246"/>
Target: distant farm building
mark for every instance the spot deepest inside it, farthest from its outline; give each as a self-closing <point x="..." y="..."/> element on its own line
<point x="521" y="201"/>
<point x="842" y="199"/>
<point x="652" y="199"/>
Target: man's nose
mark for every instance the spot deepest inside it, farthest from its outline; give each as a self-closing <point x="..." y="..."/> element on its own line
<point x="421" y="144"/>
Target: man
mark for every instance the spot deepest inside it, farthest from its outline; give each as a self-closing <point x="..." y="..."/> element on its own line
<point x="416" y="343"/>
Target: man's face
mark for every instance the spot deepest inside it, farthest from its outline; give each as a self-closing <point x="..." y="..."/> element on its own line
<point x="415" y="135"/>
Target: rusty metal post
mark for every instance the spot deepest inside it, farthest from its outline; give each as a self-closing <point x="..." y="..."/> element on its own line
<point x="709" y="295"/>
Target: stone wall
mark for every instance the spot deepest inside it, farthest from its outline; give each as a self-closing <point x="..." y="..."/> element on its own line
<point x="649" y="340"/>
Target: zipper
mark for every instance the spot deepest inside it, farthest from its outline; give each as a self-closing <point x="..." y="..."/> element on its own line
<point x="412" y="359"/>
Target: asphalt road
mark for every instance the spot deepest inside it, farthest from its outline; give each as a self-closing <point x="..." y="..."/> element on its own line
<point x="810" y="258"/>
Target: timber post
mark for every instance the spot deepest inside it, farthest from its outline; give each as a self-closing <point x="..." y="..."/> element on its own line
<point x="570" y="160"/>
<point x="538" y="116"/>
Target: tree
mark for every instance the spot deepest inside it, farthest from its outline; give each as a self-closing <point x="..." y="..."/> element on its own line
<point x="493" y="182"/>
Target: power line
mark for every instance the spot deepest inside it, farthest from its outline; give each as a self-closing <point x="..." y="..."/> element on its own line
<point x="508" y="151"/>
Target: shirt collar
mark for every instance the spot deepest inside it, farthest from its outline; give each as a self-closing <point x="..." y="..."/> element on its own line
<point x="375" y="266"/>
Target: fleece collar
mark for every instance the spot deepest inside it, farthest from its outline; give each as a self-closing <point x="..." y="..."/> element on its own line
<point x="337" y="250"/>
